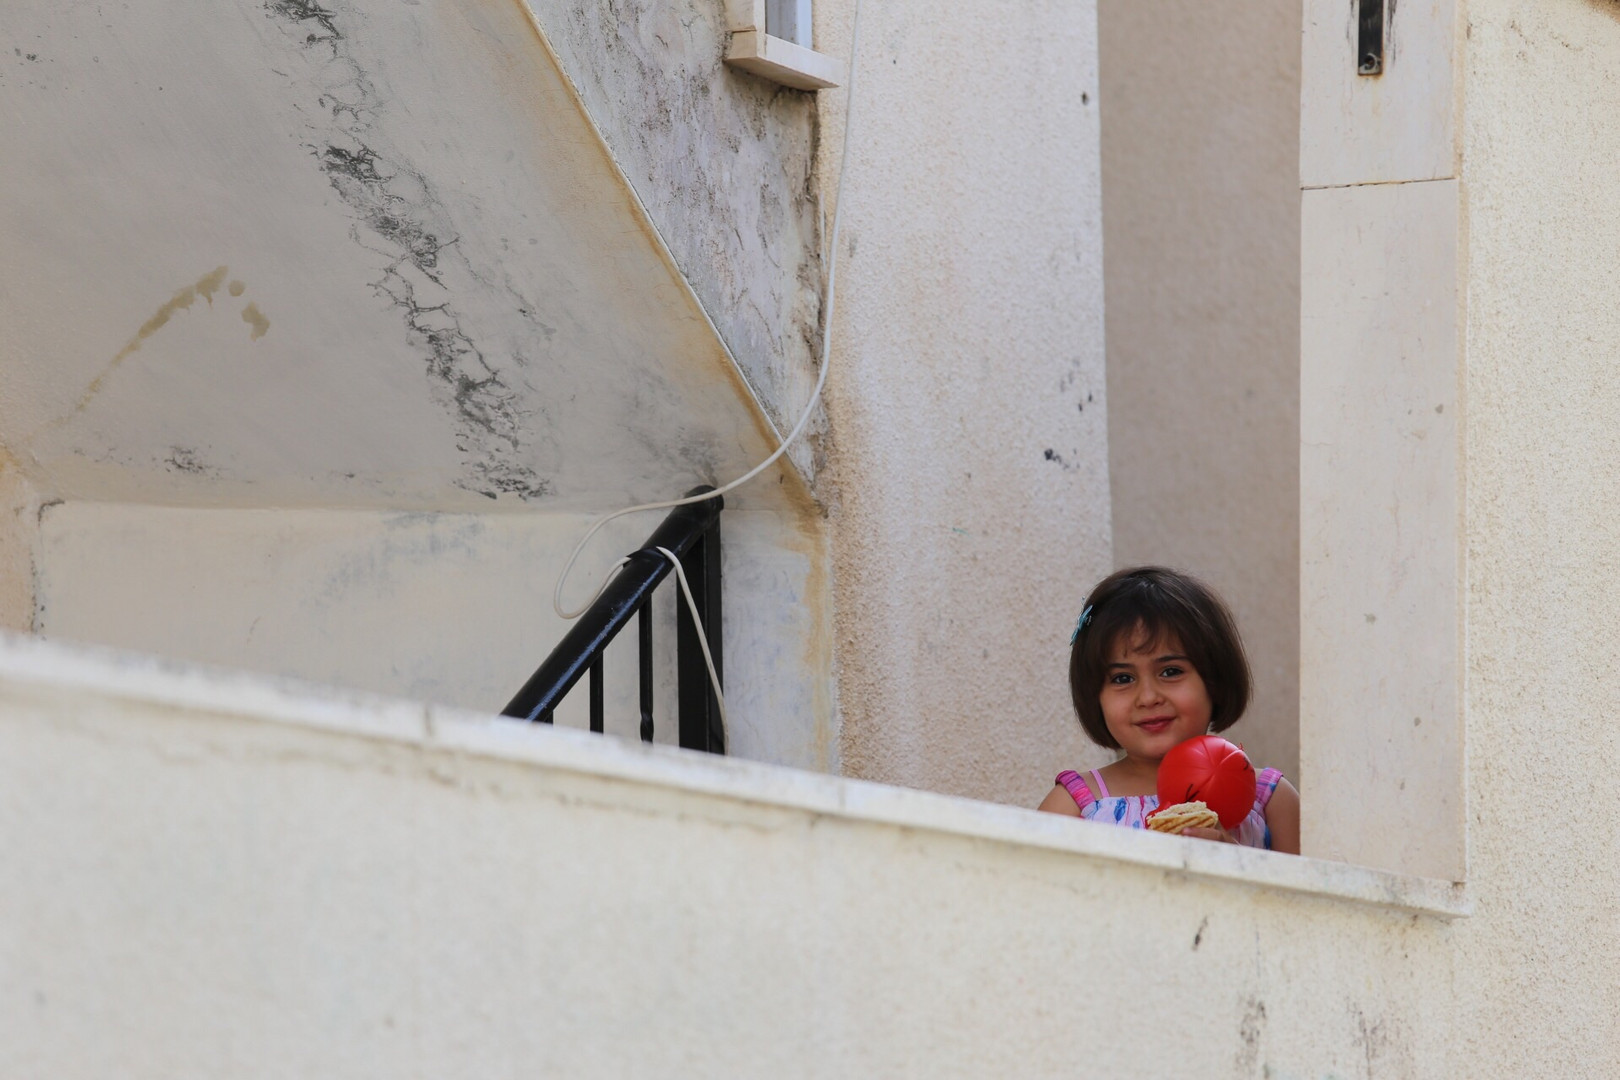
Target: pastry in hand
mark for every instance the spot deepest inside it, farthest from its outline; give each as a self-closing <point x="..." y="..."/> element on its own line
<point x="1183" y="816"/>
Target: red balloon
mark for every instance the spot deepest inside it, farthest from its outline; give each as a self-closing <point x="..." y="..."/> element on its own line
<point x="1207" y="768"/>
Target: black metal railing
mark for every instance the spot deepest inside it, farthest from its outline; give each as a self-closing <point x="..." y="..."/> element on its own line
<point x="692" y="533"/>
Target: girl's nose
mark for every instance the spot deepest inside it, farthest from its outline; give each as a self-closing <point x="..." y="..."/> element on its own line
<point x="1147" y="692"/>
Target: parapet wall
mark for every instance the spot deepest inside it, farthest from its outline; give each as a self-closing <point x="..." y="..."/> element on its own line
<point x="217" y="875"/>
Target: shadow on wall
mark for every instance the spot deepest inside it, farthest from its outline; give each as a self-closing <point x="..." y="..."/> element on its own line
<point x="1201" y="247"/>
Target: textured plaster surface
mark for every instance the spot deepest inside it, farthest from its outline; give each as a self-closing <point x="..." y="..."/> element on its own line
<point x="339" y="254"/>
<point x="352" y="887"/>
<point x="1541" y="137"/>
<point x="1379" y="509"/>
<point x="1200" y="160"/>
<point x="446" y="608"/>
<point x="724" y="163"/>
<point x="967" y="396"/>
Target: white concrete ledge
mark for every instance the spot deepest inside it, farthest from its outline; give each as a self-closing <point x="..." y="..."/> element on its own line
<point x="27" y="663"/>
<point x="782" y="61"/>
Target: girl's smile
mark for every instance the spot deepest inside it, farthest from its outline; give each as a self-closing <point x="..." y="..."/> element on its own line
<point x="1152" y="697"/>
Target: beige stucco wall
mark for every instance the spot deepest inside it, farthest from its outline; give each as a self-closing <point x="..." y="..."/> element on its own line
<point x="1540" y="138"/>
<point x="350" y="887"/>
<point x="967" y="400"/>
<point x="1491" y="291"/>
<point x="1200" y="152"/>
<point x="213" y="876"/>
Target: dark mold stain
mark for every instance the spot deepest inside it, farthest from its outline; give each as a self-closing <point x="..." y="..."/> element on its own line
<point x="1383" y="1042"/>
<point x="183" y="459"/>
<point x="1198" y="938"/>
<point x="1251" y="1029"/>
<point x="1069" y="382"/>
<point x="1059" y="460"/>
<point x="311" y="12"/>
<point x="397" y="205"/>
<point x="749" y="239"/>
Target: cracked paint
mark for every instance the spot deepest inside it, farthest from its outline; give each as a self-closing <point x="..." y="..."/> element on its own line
<point x="452" y="297"/>
<point x="397" y="206"/>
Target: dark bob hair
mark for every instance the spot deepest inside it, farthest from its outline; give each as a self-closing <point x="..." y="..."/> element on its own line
<point x="1144" y="604"/>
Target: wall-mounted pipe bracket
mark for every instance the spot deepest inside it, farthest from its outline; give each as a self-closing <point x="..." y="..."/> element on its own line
<point x="1370" y="37"/>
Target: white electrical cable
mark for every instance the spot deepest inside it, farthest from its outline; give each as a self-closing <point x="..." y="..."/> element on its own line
<point x="809" y="408"/>
<point x="697" y="621"/>
<point x="702" y="636"/>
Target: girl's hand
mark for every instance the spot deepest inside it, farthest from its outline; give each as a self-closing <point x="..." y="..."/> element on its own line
<point x="1213" y="833"/>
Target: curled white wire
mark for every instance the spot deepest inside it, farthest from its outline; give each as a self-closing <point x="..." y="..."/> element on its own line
<point x="809" y="408"/>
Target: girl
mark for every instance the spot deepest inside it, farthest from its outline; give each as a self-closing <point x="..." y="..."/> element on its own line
<point x="1155" y="660"/>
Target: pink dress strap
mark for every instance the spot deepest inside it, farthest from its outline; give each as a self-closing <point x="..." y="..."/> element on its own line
<point x="1264" y="784"/>
<point x="1097" y="781"/>
<point x="1076" y="787"/>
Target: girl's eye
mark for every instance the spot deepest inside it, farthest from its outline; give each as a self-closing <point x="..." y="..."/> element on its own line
<point x="1119" y="678"/>
<point x="1170" y="672"/>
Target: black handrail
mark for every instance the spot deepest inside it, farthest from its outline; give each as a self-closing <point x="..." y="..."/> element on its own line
<point x="692" y="532"/>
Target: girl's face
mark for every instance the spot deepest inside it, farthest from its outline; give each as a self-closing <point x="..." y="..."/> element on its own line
<point x="1151" y="697"/>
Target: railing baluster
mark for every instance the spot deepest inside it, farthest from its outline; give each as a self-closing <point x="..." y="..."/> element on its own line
<point x="596" y="694"/>
<point x="645" y="633"/>
<point x="692" y="533"/>
<point x="701" y="728"/>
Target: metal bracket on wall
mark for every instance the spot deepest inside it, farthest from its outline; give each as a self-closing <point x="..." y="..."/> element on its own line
<point x="1369" y="37"/>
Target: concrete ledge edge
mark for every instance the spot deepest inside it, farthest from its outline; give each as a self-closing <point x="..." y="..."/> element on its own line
<point x="151" y="680"/>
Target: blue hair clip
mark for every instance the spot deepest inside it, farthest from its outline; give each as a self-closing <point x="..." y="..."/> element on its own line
<point x="1085" y="621"/>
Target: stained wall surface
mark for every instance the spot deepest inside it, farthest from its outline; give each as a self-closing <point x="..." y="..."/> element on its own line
<point x="1200" y="154"/>
<point x="349" y="255"/>
<point x="724" y="162"/>
<point x="324" y="292"/>
<point x="967" y="399"/>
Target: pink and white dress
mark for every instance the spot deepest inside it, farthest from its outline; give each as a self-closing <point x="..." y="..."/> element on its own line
<point x="1131" y="811"/>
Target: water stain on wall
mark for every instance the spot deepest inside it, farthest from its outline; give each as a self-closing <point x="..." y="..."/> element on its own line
<point x="255" y="318"/>
<point x="205" y="287"/>
<point x="183" y="299"/>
